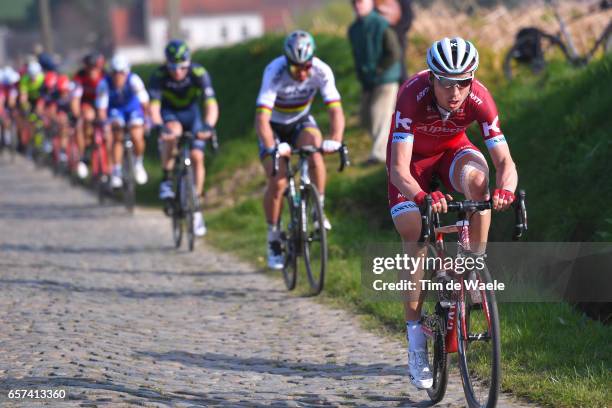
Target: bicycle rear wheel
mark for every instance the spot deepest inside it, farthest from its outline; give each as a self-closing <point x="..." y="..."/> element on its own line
<point x="177" y="216"/>
<point x="188" y="205"/>
<point x="289" y="226"/>
<point x="314" y="238"/>
<point x="479" y="343"/>
<point x="129" y="188"/>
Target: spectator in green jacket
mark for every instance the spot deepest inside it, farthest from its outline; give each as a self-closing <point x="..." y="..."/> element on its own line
<point x="377" y="54"/>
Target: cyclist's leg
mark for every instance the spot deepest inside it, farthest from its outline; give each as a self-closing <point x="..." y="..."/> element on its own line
<point x="64" y="126"/>
<point x="197" y="148"/>
<point x="136" y="125"/>
<point x="167" y="146"/>
<point x="308" y="133"/>
<point x="117" y="120"/>
<point x="465" y="170"/>
<point x="407" y="220"/>
<point x="275" y="187"/>
<point x="273" y="202"/>
<point x="136" y="129"/>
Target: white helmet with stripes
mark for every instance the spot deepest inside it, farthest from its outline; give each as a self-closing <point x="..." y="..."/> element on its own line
<point x="452" y="56"/>
<point x="299" y="47"/>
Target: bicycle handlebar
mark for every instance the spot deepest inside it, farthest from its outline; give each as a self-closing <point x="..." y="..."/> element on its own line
<point x="520" y="213"/>
<point x="307" y="151"/>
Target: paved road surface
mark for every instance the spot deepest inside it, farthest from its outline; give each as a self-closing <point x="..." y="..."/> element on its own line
<point x="97" y="303"/>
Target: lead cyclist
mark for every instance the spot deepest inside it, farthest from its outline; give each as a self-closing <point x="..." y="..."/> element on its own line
<point x="427" y="136"/>
<point x="283" y="121"/>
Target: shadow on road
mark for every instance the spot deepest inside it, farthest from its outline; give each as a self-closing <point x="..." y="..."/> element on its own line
<point x="53" y="286"/>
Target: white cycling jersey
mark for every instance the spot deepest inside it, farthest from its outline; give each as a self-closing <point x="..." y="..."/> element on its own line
<point x="288" y="99"/>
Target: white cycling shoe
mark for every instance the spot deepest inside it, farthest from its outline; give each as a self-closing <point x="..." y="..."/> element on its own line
<point x="140" y="174"/>
<point x="165" y="190"/>
<point x="82" y="170"/>
<point x="326" y="224"/>
<point x="418" y="370"/>
<point x="276" y="260"/>
<point x="116" y="179"/>
<point x="199" y="228"/>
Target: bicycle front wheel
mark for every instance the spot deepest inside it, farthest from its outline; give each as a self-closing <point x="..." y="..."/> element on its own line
<point x="129" y="188"/>
<point x="289" y="226"/>
<point x="435" y="331"/>
<point x="314" y="241"/>
<point x="479" y="343"/>
<point x="189" y="205"/>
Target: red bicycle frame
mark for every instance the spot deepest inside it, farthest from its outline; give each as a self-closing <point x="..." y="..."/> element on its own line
<point x="99" y="155"/>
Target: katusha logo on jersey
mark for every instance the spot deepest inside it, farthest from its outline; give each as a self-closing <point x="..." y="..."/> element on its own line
<point x="439" y="128"/>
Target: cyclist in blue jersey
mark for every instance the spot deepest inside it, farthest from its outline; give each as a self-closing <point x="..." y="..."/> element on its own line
<point x="182" y="99"/>
<point x="121" y="100"/>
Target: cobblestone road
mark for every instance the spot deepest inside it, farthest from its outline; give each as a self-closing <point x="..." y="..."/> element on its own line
<point x="98" y="303"/>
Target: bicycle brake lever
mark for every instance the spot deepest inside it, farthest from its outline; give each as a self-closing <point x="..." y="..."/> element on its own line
<point x="275" y="164"/>
<point x="344" y="158"/>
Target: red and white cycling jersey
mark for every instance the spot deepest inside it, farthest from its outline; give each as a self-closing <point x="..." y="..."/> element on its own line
<point x="418" y="119"/>
<point x="86" y="86"/>
<point x="437" y="143"/>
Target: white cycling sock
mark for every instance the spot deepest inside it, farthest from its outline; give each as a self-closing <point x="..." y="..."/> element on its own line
<point x="322" y="199"/>
<point x="138" y="160"/>
<point x="415" y="336"/>
<point x="273" y="232"/>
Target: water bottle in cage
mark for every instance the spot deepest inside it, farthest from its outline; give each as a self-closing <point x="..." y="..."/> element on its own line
<point x="445" y="296"/>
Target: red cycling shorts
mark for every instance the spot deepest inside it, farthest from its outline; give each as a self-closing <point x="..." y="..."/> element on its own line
<point x="423" y="168"/>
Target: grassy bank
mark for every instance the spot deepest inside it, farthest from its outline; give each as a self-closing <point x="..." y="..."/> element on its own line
<point x="558" y="128"/>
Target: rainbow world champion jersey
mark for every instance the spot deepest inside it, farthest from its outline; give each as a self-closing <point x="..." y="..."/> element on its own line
<point x="288" y="99"/>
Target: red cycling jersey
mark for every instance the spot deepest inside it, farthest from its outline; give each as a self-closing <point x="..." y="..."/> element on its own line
<point x="86" y="86"/>
<point x="437" y="143"/>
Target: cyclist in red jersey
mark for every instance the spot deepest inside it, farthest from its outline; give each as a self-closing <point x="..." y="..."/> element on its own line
<point x="86" y="81"/>
<point x="59" y="109"/>
<point x="427" y="137"/>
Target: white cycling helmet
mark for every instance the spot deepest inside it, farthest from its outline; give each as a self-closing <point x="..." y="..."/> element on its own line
<point x="7" y="76"/>
<point x="299" y="47"/>
<point x="34" y="68"/>
<point x="120" y="64"/>
<point x="11" y="76"/>
<point x="452" y="56"/>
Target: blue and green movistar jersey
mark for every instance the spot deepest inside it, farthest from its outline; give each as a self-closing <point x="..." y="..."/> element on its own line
<point x="32" y="86"/>
<point x="196" y="87"/>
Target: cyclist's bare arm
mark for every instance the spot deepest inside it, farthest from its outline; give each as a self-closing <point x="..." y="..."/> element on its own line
<point x="102" y="114"/>
<point x="336" y="123"/>
<point x="75" y="106"/>
<point x="211" y="112"/>
<point x="399" y="171"/>
<point x="506" y="176"/>
<point x="263" y="129"/>
<point x="155" y="112"/>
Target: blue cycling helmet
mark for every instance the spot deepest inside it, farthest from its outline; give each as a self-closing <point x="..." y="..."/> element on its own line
<point x="46" y="62"/>
<point x="177" y="51"/>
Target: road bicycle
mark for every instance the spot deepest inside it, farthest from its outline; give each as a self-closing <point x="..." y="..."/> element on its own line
<point x="8" y="136"/>
<point x="464" y="320"/>
<point x="301" y="220"/>
<point x="532" y="47"/>
<point x="186" y="201"/>
<point x="127" y="171"/>
<point x="100" y="171"/>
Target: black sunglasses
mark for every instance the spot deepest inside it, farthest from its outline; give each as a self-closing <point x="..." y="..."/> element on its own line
<point x="448" y="83"/>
